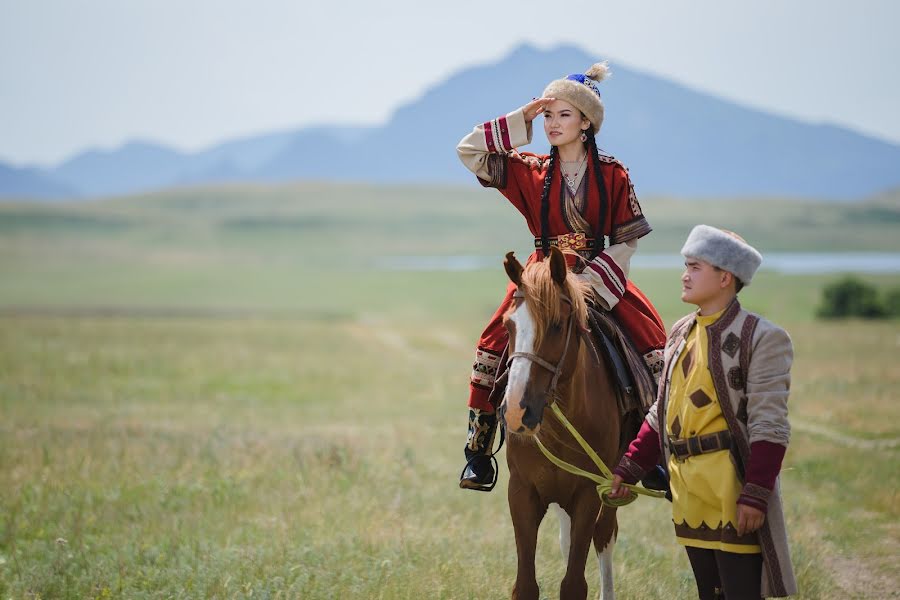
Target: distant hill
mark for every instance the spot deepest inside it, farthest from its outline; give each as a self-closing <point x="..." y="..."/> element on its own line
<point x="30" y="183"/>
<point x="675" y="140"/>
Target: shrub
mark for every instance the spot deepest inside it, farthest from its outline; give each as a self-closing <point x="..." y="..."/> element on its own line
<point x="850" y="297"/>
<point x="892" y="302"/>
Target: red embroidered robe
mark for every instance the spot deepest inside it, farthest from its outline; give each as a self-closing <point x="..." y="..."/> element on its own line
<point x="489" y="151"/>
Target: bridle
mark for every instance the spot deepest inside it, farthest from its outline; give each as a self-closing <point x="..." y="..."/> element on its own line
<point x="605" y="478"/>
<point x="555" y="369"/>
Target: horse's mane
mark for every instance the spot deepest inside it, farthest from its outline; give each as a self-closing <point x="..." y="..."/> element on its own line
<point x="545" y="298"/>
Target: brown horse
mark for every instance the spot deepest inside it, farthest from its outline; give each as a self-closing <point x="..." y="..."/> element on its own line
<point x="553" y="360"/>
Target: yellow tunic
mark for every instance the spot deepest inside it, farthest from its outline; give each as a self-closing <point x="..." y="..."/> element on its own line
<point x="705" y="488"/>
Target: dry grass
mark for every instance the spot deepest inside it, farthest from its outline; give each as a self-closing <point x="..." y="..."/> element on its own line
<point x="214" y="394"/>
<point x="284" y="458"/>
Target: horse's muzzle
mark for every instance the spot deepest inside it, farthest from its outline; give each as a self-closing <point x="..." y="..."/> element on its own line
<point x="524" y="419"/>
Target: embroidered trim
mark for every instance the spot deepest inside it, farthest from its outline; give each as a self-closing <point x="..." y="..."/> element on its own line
<point x="726" y="534"/>
<point x="609" y="158"/>
<point x="607" y="281"/>
<point x="484" y="369"/>
<point x="770" y="555"/>
<point x="504" y="134"/>
<point x="616" y="269"/>
<point x="747" y="500"/>
<point x="736" y="378"/>
<point x="731" y="344"/>
<point x="632" y="198"/>
<point x="496" y="135"/>
<point x="489" y="136"/>
<point x="747" y="332"/>
<point x="654" y="359"/>
<point x="673" y="343"/>
<point x="758" y="492"/>
<point x="631" y="471"/>
<point x="630" y="230"/>
<point x="742" y="415"/>
<point x="717" y="370"/>
<point x="570" y="241"/>
<point x="612" y="275"/>
<point x="497" y="169"/>
<point x="481" y="429"/>
<point x="530" y="160"/>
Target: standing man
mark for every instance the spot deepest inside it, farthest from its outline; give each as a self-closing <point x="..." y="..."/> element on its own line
<point x="721" y="421"/>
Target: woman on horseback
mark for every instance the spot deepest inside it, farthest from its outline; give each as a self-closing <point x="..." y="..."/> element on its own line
<point x="573" y="199"/>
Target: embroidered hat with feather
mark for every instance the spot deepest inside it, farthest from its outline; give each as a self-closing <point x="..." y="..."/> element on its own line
<point x="581" y="91"/>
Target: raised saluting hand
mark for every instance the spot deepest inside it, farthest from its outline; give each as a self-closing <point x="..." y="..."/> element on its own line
<point x="535" y="107"/>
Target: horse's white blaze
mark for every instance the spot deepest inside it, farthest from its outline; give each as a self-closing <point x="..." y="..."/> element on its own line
<point x="565" y="531"/>
<point x="521" y="368"/>
<point x="606" y="571"/>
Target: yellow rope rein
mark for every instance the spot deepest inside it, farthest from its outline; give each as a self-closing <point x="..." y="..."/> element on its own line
<point x="604" y="480"/>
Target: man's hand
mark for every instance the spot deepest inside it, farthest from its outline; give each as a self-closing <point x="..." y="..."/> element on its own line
<point x="618" y="490"/>
<point x="749" y="519"/>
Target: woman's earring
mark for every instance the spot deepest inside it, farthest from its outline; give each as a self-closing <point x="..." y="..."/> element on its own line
<point x="583" y="136"/>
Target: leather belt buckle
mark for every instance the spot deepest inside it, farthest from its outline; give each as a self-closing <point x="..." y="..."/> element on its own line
<point x="675" y="449"/>
<point x="694" y="446"/>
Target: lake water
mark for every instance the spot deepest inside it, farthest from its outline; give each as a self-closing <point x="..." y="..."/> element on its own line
<point x="786" y="262"/>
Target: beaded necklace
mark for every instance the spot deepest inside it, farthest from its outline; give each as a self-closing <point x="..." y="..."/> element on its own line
<point x="573" y="178"/>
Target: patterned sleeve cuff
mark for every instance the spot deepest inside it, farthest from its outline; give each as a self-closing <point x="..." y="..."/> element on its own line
<point x="503" y="134"/>
<point x="607" y="279"/>
<point x="629" y="471"/>
<point x="632" y="230"/>
<point x="755" y="495"/>
<point x="497" y="165"/>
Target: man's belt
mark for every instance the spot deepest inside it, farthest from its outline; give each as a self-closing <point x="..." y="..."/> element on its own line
<point x="569" y="241"/>
<point x="700" y="444"/>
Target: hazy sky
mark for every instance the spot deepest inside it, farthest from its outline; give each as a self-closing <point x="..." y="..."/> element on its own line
<point x="76" y="74"/>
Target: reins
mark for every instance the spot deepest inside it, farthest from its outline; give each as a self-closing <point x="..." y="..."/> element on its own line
<point x="604" y="479"/>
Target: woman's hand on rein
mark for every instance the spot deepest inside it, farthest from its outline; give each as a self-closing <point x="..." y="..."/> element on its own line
<point x="535" y="108"/>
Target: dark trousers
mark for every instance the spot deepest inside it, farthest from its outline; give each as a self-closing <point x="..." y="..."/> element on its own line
<point x="727" y="575"/>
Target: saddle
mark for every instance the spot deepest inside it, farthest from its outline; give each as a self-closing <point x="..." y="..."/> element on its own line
<point x="636" y="387"/>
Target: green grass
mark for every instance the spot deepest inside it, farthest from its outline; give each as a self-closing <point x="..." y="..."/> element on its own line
<point x="214" y="394"/>
<point x="215" y="457"/>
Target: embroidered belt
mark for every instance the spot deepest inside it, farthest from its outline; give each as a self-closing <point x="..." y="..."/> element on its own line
<point x="700" y="444"/>
<point x="569" y="241"/>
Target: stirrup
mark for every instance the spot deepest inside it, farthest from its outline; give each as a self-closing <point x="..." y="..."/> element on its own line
<point x="482" y="429"/>
<point x="470" y="482"/>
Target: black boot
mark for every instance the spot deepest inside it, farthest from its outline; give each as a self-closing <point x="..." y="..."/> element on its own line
<point x="479" y="473"/>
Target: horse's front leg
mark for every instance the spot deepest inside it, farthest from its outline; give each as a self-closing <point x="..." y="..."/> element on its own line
<point x="584" y="515"/>
<point x="527" y="511"/>
<point x="604" y="541"/>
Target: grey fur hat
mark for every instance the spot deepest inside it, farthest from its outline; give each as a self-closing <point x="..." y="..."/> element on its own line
<point x="723" y="249"/>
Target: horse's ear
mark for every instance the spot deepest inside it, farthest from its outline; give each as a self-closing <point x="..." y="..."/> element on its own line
<point x="557" y="266"/>
<point x="513" y="268"/>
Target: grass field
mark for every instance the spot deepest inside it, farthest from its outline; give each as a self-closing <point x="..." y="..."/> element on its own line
<point x="216" y="394"/>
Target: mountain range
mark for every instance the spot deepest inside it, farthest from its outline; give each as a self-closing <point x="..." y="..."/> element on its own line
<point x="675" y="140"/>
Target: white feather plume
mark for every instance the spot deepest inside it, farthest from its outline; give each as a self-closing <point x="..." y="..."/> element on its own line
<point x="599" y="71"/>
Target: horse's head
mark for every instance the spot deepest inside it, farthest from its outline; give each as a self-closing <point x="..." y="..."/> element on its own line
<point x="544" y="323"/>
